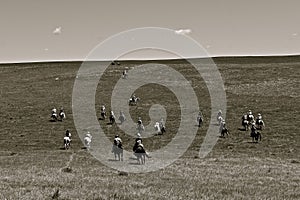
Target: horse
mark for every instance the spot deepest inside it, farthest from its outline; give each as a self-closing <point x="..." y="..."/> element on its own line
<point x="103" y="112"/>
<point x="54" y="117"/>
<point x="67" y="142"/>
<point x="199" y="120"/>
<point x="255" y="136"/>
<point x="122" y="117"/>
<point x="250" y="117"/>
<point x="157" y="128"/>
<point x="133" y="100"/>
<point x="140" y="128"/>
<point x="245" y="122"/>
<point x="112" y="117"/>
<point x="259" y="124"/>
<point x="62" y="115"/>
<point x="140" y="152"/>
<point x="220" y="119"/>
<point x="117" y="149"/>
<point x="224" y="131"/>
<point x="87" y="140"/>
<point x="124" y="74"/>
<point x="162" y="126"/>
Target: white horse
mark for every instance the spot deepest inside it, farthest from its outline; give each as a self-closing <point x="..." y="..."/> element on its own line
<point x="87" y="140"/>
<point x="219" y="117"/>
<point x="157" y="128"/>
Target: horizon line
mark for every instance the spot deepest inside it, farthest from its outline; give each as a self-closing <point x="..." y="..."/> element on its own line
<point x="148" y="59"/>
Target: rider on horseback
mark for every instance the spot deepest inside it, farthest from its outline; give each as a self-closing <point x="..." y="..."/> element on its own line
<point x="259" y="122"/>
<point x="219" y="117"/>
<point x="118" y="142"/>
<point x="54" y="114"/>
<point x="103" y="112"/>
<point x="162" y="126"/>
<point x="199" y="119"/>
<point x="124" y="74"/>
<point x="122" y="117"/>
<point x="140" y="126"/>
<point x="133" y="98"/>
<point x="62" y="114"/>
<point x="223" y="129"/>
<point x="67" y="139"/>
<point x="250" y="116"/>
<point x="117" y="148"/>
<point x="253" y="129"/>
<point x="68" y="134"/>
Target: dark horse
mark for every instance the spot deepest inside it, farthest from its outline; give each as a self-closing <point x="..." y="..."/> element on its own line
<point x="259" y="124"/>
<point x="224" y="131"/>
<point x="255" y="136"/>
<point x="199" y="120"/>
<point x="112" y="119"/>
<point x="140" y="152"/>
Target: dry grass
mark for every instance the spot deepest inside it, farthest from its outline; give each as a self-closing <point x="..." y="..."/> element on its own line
<point x="34" y="167"/>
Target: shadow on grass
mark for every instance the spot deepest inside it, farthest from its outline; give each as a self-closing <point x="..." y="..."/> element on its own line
<point x="114" y="160"/>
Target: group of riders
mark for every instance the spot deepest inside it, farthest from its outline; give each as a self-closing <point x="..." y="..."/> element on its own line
<point x="138" y="149"/>
<point x="112" y="117"/>
<point x="248" y="121"/>
<point x="60" y="116"/>
<point x="256" y="125"/>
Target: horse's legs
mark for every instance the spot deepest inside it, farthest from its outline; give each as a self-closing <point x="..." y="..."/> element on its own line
<point x="139" y="159"/>
<point x="143" y="159"/>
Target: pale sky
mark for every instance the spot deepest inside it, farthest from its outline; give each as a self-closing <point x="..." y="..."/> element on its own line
<point x="40" y="30"/>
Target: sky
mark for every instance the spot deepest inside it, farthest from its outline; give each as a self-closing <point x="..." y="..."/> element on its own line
<point x="43" y="30"/>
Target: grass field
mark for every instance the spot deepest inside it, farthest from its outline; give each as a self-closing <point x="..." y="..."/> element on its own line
<point x="33" y="165"/>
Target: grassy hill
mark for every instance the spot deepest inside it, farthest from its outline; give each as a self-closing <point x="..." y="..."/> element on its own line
<point x="33" y="165"/>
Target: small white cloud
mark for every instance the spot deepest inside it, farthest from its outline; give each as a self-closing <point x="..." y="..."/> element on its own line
<point x="295" y="34"/>
<point x="57" y="31"/>
<point x="46" y="49"/>
<point x="183" y="31"/>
